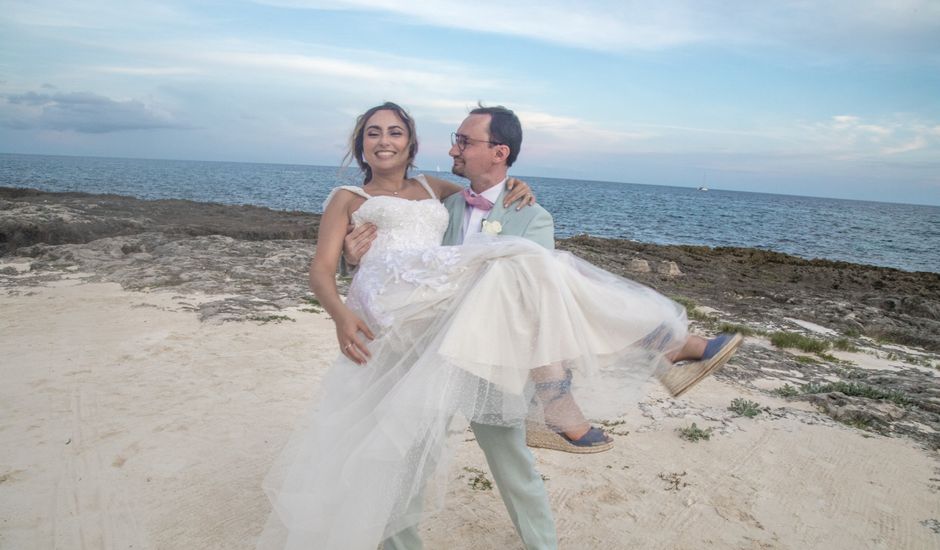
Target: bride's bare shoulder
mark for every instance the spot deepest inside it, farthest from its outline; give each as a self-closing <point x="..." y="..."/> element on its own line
<point x="442" y="188"/>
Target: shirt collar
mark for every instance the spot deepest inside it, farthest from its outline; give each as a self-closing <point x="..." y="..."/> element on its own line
<point x="492" y="193"/>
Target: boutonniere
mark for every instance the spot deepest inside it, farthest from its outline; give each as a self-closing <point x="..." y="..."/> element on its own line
<point x="492" y="227"/>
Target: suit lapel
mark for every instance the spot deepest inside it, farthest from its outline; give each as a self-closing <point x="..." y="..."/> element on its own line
<point x="457" y="208"/>
<point x="498" y="212"/>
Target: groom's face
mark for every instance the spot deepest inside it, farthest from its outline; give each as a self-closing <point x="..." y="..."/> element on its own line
<point x="477" y="155"/>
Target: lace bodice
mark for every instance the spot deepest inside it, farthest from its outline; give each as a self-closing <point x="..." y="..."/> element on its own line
<point x="402" y="224"/>
<point x="406" y="250"/>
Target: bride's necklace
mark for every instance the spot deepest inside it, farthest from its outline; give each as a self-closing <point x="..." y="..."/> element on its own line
<point x="394" y="193"/>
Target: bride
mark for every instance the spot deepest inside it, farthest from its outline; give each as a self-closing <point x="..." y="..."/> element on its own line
<point x="433" y="336"/>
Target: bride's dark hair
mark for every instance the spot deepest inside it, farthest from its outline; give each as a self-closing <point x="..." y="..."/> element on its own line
<point x="355" y="140"/>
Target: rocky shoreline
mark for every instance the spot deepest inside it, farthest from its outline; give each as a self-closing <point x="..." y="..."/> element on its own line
<point x="251" y="263"/>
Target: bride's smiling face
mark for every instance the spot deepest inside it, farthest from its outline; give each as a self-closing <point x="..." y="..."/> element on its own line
<point x="386" y="142"/>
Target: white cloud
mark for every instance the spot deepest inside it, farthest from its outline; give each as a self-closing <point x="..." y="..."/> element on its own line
<point x="919" y="142"/>
<point x="879" y="26"/>
<point x="347" y="71"/>
<point x="850" y="137"/>
<point x="147" y="71"/>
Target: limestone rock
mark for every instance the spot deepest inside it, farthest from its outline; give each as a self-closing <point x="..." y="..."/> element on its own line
<point x="639" y="266"/>
<point x="668" y="268"/>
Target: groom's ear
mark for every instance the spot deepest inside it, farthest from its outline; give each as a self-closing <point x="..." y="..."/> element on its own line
<point x="502" y="152"/>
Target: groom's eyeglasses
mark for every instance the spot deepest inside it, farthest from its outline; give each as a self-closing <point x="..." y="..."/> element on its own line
<point x="461" y="141"/>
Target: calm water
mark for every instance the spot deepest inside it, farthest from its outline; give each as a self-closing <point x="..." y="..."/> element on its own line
<point x="893" y="235"/>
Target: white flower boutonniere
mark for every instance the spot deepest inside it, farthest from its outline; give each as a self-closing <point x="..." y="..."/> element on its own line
<point x="492" y="228"/>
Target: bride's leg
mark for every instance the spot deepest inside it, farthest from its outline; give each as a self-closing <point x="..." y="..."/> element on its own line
<point x="694" y="348"/>
<point x="553" y="390"/>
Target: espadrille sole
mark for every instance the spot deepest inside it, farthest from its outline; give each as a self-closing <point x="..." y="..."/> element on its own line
<point x="679" y="380"/>
<point x="539" y="437"/>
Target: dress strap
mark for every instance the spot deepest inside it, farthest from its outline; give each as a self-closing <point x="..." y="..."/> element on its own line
<point x="427" y="186"/>
<point x="351" y="188"/>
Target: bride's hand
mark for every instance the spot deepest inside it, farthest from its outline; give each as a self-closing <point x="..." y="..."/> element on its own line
<point x="348" y="328"/>
<point x="518" y="191"/>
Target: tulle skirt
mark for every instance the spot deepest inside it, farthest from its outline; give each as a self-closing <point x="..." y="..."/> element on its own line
<point x="498" y="331"/>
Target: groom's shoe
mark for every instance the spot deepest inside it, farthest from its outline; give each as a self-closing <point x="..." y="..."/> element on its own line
<point x="718" y="350"/>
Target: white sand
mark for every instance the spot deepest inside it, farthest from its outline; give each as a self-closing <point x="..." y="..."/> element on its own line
<point x="127" y="423"/>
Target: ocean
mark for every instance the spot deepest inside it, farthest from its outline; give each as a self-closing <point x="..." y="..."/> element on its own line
<point x="902" y="236"/>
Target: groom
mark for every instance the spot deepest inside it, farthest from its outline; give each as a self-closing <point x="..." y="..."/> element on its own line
<point x="483" y="148"/>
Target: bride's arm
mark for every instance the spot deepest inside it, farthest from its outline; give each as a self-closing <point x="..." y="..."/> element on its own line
<point x="332" y="230"/>
<point x="518" y="190"/>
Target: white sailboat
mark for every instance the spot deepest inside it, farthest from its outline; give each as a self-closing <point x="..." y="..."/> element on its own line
<point x="703" y="187"/>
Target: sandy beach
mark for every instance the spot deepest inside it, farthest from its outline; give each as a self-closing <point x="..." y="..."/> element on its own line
<point x="153" y="370"/>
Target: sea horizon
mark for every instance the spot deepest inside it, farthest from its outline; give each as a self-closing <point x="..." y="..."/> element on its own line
<point x="897" y="235"/>
<point x="460" y="179"/>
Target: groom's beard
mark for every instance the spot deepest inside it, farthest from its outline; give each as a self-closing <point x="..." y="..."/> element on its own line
<point x="458" y="169"/>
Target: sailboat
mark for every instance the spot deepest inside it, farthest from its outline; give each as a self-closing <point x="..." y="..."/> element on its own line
<point x="703" y="187"/>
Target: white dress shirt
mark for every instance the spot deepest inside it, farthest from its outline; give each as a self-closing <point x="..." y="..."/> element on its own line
<point x="473" y="217"/>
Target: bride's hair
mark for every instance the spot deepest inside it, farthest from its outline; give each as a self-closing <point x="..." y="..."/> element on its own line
<point x="355" y="140"/>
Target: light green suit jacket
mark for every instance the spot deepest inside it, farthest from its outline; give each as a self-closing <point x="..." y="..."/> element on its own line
<point x="512" y="465"/>
<point x="531" y="222"/>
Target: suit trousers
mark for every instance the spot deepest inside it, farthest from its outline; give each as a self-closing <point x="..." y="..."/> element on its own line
<point x="520" y="486"/>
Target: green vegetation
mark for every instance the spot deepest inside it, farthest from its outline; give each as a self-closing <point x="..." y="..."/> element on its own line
<point x="478" y="481"/>
<point x="270" y="319"/>
<point x="858" y="390"/>
<point x="313" y="304"/>
<point x="691" y="309"/>
<point x="851" y="373"/>
<point x="805" y="359"/>
<point x="743" y="407"/>
<point x="741" y="329"/>
<point x="844" y="344"/>
<point x="693" y="433"/>
<point x="786" y="390"/>
<point x="798" y="341"/>
<point x="673" y="480"/>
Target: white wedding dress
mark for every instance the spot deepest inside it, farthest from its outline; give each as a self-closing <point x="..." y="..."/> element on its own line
<point x="489" y="331"/>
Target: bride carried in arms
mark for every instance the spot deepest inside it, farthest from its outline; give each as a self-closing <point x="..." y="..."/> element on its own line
<point x="501" y="331"/>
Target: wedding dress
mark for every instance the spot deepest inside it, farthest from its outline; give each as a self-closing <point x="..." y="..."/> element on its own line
<point x="469" y="332"/>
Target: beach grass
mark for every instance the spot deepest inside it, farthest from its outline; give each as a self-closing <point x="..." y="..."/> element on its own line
<point x="313" y="305"/>
<point x="694" y="434"/>
<point x="743" y="330"/>
<point x="744" y="407"/>
<point x="785" y="390"/>
<point x="798" y="341"/>
<point x="265" y="319"/>
<point x="844" y="344"/>
<point x="854" y="389"/>
<point x="691" y="309"/>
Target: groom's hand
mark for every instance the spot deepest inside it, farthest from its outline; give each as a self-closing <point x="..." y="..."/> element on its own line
<point x="357" y="242"/>
<point x="518" y="191"/>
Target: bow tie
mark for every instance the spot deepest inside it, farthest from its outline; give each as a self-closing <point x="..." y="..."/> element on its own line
<point x="477" y="201"/>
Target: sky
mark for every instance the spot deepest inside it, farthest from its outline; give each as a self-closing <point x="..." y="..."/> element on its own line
<point x="822" y="98"/>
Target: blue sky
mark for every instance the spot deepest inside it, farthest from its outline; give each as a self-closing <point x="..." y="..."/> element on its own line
<point x="838" y="99"/>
